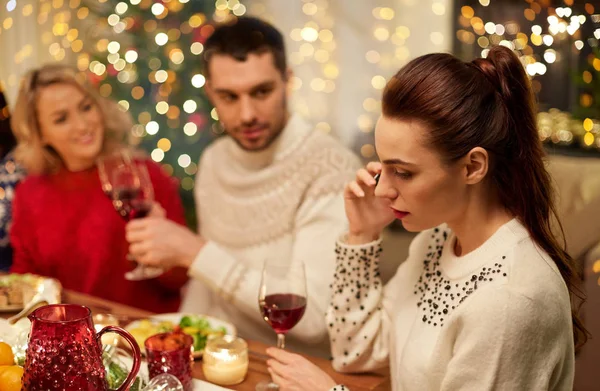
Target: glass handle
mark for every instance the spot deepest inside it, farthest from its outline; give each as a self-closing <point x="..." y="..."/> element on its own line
<point x="134" y="348"/>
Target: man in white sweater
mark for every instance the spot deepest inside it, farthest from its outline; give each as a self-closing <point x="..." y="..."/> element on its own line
<point x="271" y="190"/>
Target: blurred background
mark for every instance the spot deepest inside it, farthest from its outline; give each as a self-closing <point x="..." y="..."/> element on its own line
<point x="145" y="55"/>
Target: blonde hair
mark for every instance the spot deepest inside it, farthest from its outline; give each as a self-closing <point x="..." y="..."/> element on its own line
<point x="31" y="152"/>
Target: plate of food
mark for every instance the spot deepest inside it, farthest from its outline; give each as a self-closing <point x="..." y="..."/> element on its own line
<point x="17" y="290"/>
<point x="200" y="327"/>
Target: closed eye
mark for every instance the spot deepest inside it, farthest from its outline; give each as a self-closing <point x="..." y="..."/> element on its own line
<point x="262" y="93"/>
<point x="403" y="174"/>
<point x="228" y="97"/>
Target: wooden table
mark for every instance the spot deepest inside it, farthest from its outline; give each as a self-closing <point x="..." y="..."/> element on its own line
<point x="257" y="370"/>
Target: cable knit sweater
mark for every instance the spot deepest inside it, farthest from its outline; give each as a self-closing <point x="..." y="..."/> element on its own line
<point x="284" y="204"/>
<point x="497" y="318"/>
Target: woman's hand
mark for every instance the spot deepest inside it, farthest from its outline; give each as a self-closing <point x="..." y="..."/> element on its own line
<point x="367" y="214"/>
<point x="293" y="372"/>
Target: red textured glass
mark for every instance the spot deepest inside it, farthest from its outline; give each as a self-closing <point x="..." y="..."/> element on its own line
<point x="64" y="352"/>
<point x="171" y="353"/>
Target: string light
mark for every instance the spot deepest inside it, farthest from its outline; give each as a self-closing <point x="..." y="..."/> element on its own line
<point x="189" y="106"/>
<point x="184" y="160"/>
<point x="11" y="5"/>
<point x="190" y="129"/>
<point x="152" y="127"/>
<point x="542" y="48"/>
<point x="313" y="42"/>
<point x="161" y="39"/>
<point x="198" y="81"/>
<point x="157" y="155"/>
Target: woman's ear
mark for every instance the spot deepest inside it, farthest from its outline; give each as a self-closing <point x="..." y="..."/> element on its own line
<point x="476" y="163"/>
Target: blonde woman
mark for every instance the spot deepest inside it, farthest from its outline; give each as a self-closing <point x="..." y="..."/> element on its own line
<point x="64" y="225"/>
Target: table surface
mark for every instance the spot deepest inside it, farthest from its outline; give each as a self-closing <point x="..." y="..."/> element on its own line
<point x="257" y="370"/>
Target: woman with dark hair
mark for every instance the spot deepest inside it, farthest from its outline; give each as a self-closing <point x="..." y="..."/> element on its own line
<point x="486" y="298"/>
<point x="10" y="175"/>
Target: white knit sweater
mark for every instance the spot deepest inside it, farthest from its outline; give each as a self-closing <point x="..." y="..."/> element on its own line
<point x="284" y="203"/>
<point x="498" y="318"/>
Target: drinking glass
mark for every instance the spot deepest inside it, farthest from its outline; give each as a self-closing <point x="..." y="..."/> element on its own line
<point x="127" y="183"/>
<point x="171" y="353"/>
<point x="282" y="302"/>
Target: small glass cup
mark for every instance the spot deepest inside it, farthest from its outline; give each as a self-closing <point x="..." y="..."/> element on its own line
<point x="171" y="353"/>
<point x="225" y="360"/>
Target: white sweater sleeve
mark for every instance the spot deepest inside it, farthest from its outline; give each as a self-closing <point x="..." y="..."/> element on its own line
<point x="318" y="223"/>
<point x="503" y="341"/>
<point x="359" y="315"/>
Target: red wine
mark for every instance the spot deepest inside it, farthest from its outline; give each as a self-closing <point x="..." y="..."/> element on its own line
<point x="130" y="204"/>
<point x="282" y="311"/>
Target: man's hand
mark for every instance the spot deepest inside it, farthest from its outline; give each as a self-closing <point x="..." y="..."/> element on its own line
<point x="156" y="241"/>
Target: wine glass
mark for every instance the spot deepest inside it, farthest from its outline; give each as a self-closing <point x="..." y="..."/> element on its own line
<point x="282" y="302"/>
<point x="127" y="183"/>
<point x="164" y="382"/>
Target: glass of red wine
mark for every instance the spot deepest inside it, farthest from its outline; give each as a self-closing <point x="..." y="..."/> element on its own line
<point x="127" y="183"/>
<point x="282" y="302"/>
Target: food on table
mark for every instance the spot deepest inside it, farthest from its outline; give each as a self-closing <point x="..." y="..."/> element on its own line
<point x="172" y="341"/>
<point x="146" y="328"/>
<point x="196" y="326"/>
<point x="17" y="289"/>
<point x="10" y="374"/>
<point x="200" y="329"/>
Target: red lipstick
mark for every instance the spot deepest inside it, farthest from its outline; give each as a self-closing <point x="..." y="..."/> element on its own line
<point x="399" y="214"/>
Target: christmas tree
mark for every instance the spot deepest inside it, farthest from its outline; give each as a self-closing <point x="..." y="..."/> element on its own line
<point x="146" y="55"/>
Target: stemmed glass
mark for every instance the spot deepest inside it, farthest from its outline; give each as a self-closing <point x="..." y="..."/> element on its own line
<point x="127" y="183"/>
<point x="282" y="302"/>
<point x="164" y="382"/>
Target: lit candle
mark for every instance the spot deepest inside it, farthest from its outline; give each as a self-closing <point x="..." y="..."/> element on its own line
<point x="225" y="360"/>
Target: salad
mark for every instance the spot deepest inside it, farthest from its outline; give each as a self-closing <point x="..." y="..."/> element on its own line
<point x="198" y="327"/>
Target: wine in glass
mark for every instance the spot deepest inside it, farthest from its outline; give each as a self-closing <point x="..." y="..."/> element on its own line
<point x="132" y="197"/>
<point x="282" y="302"/>
<point x="127" y="183"/>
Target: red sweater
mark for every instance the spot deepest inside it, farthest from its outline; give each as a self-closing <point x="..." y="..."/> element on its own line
<point x="65" y="227"/>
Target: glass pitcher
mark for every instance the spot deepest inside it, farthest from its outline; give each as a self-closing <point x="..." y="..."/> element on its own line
<point x="64" y="351"/>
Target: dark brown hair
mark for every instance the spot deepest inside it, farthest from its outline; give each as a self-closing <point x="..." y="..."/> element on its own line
<point x="242" y="36"/>
<point x="488" y="103"/>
